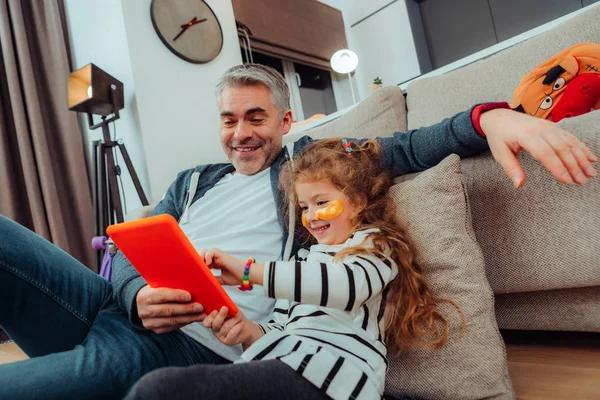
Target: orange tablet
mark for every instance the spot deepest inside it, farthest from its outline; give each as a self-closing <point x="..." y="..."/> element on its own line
<point x="163" y="255"/>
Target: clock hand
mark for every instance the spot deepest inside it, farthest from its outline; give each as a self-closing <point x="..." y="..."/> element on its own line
<point x="197" y="22"/>
<point x="184" y="27"/>
<point x="192" y="21"/>
<point x="179" y="34"/>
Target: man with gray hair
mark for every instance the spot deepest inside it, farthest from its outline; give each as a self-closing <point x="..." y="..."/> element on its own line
<point x="88" y="338"/>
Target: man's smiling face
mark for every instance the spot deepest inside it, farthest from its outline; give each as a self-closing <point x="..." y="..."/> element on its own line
<point x="251" y="128"/>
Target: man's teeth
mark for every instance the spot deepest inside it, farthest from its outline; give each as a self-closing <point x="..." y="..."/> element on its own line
<point x="244" y="149"/>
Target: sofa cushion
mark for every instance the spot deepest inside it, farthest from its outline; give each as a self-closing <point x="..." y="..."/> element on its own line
<point x="495" y="78"/>
<point x="544" y="235"/>
<point x="380" y="114"/>
<point x="550" y="310"/>
<point x="433" y="207"/>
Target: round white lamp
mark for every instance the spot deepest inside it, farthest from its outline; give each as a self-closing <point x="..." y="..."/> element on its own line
<point x="344" y="62"/>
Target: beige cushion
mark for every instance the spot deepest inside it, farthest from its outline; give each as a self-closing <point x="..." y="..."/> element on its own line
<point x="433" y="207"/>
<point x="545" y="235"/>
<point x="380" y="114"/>
<point x="495" y="78"/>
<point x="550" y="310"/>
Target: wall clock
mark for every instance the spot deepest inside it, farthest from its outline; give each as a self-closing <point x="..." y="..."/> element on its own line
<point x="189" y="28"/>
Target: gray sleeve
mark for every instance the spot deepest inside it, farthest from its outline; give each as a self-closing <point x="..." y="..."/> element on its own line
<point x="126" y="280"/>
<point x="423" y="148"/>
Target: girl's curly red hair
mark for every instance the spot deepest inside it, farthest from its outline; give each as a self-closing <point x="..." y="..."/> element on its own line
<point x="413" y="319"/>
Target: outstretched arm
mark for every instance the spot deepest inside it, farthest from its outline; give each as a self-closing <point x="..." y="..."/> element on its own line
<point x="344" y="285"/>
<point x="423" y="148"/>
<point x="504" y="132"/>
<point x="508" y="132"/>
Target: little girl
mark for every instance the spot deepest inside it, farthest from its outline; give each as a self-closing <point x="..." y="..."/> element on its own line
<point x="356" y="292"/>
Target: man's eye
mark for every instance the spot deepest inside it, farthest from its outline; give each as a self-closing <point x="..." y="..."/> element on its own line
<point x="228" y="123"/>
<point x="257" y="120"/>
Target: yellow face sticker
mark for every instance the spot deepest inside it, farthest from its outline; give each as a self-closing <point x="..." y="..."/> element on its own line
<point x="334" y="210"/>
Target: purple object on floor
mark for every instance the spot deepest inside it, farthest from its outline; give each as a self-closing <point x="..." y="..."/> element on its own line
<point x="98" y="242"/>
<point x="106" y="269"/>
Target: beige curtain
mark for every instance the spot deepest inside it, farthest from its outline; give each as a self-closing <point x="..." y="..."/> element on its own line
<point x="43" y="178"/>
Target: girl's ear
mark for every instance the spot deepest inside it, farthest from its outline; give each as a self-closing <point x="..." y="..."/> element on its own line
<point x="356" y="216"/>
<point x="361" y="204"/>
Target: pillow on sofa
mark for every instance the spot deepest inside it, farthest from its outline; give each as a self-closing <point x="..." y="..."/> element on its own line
<point x="433" y="208"/>
<point x="380" y="114"/>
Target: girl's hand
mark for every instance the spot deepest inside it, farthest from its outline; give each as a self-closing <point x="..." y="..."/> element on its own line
<point x="237" y="329"/>
<point x="232" y="269"/>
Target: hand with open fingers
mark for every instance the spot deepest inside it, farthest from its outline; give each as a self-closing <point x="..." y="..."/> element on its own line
<point x="508" y="132"/>
<point x="235" y="330"/>
<point x="232" y="269"/>
<point x="163" y="310"/>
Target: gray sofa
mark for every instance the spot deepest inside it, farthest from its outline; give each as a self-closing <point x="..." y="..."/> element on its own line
<point x="541" y="243"/>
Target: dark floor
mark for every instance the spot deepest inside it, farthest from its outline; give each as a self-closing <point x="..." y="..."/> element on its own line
<point x="587" y="340"/>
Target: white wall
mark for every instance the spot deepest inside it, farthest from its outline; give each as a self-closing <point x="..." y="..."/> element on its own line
<point x="380" y="33"/>
<point x="333" y="3"/>
<point x="340" y="82"/>
<point x="178" y="111"/>
<point x="342" y="91"/>
<point x="97" y="35"/>
<point x="355" y="10"/>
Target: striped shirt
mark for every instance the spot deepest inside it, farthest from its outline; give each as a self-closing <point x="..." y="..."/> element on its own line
<point x="328" y="322"/>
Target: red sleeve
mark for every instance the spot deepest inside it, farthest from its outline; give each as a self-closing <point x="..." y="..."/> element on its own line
<point x="480" y="109"/>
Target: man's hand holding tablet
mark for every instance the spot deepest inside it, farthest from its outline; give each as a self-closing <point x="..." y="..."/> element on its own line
<point x="181" y="288"/>
<point x="164" y="310"/>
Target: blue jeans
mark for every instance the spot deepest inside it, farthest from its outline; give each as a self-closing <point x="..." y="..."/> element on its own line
<point x="82" y="346"/>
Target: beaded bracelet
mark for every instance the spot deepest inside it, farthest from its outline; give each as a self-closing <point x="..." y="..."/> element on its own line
<point x="246" y="281"/>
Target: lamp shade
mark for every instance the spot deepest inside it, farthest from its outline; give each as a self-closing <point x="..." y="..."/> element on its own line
<point x="91" y="90"/>
<point x="344" y="61"/>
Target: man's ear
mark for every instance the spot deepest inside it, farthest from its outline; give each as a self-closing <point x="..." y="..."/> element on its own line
<point x="287" y="121"/>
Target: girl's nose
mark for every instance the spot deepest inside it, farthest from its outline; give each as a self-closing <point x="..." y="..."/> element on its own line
<point x="308" y="217"/>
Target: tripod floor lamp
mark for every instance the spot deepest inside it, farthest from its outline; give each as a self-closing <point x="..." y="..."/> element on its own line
<point x="93" y="91"/>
